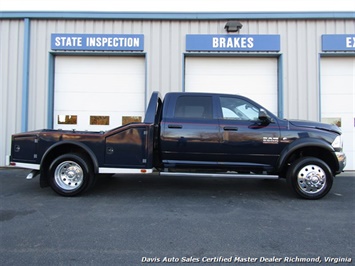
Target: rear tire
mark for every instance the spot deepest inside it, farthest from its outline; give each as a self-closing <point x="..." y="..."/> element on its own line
<point x="310" y="178"/>
<point x="71" y="174"/>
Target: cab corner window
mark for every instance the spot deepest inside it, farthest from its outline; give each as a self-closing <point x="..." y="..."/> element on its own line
<point x="198" y="107"/>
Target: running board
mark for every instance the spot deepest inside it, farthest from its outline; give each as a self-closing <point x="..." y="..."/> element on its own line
<point x="251" y="176"/>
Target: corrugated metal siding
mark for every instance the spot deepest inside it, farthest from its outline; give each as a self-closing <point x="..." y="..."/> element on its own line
<point x="164" y="48"/>
<point x="11" y="58"/>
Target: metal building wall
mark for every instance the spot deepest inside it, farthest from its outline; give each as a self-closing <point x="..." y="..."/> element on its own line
<point x="11" y="63"/>
<point x="165" y="45"/>
<point x="165" y="49"/>
<point x="301" y="47"/>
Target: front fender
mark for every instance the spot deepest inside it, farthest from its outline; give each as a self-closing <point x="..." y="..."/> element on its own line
<point x="307" y="143"/>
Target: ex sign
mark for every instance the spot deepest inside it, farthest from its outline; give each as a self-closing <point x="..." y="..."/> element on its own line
<point x="338" y="42"/>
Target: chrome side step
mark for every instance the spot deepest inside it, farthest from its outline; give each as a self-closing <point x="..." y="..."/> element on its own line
<point x="231" y="175"/>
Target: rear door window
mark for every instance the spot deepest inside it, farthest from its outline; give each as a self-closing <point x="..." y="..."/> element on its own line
<point x="197" y="107"/>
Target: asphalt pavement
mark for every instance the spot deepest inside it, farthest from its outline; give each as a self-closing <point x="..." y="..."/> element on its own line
<point x="156" y="220"/>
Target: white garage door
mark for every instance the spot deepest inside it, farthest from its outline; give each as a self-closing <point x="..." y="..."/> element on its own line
<point x="255" y="78"/>
<point x="98" y="92"/>
<point x="338" y="100"/>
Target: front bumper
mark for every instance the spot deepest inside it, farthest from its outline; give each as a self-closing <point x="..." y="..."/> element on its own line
<point x="341" y="160"/>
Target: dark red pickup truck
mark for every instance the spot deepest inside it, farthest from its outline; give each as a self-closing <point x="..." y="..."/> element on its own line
<point x="195" y="134"/>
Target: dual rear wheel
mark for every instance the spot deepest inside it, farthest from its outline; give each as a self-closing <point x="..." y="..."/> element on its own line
<point x="71" y="174"/>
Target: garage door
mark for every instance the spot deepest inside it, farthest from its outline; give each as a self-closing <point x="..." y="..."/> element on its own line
<point x="338" y="99"/>
<point x="98" y="92"/>
<point x="255" y="78"/>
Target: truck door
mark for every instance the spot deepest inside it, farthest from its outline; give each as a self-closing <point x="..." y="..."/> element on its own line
<point x="247" y="141"/>
<point x="189" y="131"/>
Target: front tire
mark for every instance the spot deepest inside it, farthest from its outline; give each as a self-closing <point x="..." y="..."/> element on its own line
<point x="71" y="174"/>
<point x="310" y="178"/>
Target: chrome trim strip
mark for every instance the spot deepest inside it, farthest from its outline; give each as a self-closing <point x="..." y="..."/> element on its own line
<point x="251" y="176"/>
<point x="107" y="170"/>
<point x="28" y="165"/>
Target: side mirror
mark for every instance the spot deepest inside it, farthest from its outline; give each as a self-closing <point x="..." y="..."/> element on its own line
<point x="263" y="117"/>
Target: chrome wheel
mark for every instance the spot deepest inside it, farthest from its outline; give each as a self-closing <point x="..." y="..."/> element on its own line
<point x="69" y="175"/>
<point x="311" y="179"/>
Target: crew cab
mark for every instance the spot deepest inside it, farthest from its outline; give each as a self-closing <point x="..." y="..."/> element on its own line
<point x="194" y="134"/>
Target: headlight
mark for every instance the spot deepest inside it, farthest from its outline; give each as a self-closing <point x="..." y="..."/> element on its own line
<point x="338" y="143"/>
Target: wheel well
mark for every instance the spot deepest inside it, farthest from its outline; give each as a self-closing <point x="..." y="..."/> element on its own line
<point x="57" y="151"/>
<point x="317" y="152"/>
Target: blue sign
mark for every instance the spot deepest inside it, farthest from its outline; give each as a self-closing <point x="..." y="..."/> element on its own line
<point x="207" y="42"/>
<point x="102" y="42"/>
<point x="338" y="42"/>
